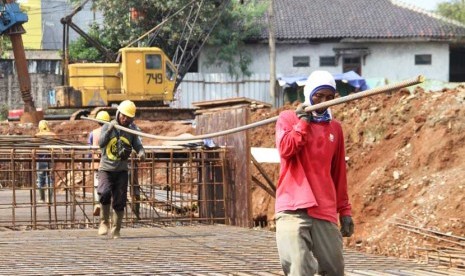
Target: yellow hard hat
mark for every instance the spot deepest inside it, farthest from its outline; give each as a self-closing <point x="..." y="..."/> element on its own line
<point x="103" y="116"/>
<point x="43" y="126"/>
<point x="128" y="108"/>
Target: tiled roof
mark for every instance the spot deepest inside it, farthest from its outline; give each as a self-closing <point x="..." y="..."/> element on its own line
<point x="359" y="19"/>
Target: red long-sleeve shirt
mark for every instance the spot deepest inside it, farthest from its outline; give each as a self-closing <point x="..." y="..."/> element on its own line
<point x="313" y="169"/>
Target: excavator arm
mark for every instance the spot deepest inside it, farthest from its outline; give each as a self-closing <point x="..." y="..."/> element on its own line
<point x="11" y="20"/>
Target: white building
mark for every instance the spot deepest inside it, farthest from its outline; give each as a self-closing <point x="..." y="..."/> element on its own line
<point x="379" y="39"/>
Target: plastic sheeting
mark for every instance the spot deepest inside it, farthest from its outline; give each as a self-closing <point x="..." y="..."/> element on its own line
<point x="351" y="78"/>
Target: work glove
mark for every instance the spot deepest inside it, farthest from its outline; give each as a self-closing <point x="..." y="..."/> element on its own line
<point x="111" y="125"/>
<point x="300" y="112"/>
<point x="141" y="155"/>
<point x="347" y="226"/>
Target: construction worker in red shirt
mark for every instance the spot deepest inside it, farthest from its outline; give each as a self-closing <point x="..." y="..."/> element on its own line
<point x="311" y="196"/>
<point x="93" y="139"/>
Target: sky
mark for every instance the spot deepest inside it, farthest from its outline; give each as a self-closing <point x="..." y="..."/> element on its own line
<point x="428" y="5"/>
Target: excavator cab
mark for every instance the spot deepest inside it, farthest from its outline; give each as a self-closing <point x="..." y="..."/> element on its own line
<point x="147" y="74"/>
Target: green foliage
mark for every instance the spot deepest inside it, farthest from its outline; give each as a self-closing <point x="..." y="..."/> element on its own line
<point x="5" y="45"/>
<point x="454" y="9"/>
<point x="4" y="111"/>
<point x="238" y="23"/>
<point x="81" y="50"/>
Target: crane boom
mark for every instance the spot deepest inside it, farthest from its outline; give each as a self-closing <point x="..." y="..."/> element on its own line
<point x="191" y="41"/>
<point x="189" y="47"/>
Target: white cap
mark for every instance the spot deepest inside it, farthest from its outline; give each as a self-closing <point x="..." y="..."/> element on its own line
<point x="316" y="81"/>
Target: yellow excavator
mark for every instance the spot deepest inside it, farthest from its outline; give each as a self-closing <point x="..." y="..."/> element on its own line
<point x="146" y="75"/>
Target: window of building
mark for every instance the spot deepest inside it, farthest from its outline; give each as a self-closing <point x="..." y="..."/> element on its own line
<point x="47" y="66"/>
<point x="352" y="64"/>
<point x="328" y="61"/>
<point x="423" y="59"/>
<point x="301" y="61"/>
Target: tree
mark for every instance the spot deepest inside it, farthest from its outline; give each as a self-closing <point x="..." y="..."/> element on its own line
<point x="125" y="21"/>
<point x="5" y="45"/>
<point x="239" y="24"/>
<point x="455" y="9"/>
<point x="81" y="50"/>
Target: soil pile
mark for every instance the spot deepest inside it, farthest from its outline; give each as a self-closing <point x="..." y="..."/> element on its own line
<point x="78" y="131"/>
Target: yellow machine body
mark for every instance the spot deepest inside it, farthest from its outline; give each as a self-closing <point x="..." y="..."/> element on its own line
<point x="143" y="75"/>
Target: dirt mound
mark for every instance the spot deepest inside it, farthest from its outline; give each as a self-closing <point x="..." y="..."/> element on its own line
<point x="78" y="131"/>
<point x="406" y="171"/>
<point x="406" y="161"/>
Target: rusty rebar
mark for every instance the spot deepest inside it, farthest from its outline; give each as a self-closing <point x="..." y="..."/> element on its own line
<point x="178" y="170"/>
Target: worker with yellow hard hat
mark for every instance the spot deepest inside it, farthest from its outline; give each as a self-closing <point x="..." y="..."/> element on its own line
<point x="103" y="116"/>
<point x="92" y="140"/>
<point x="44" y="130"/>
<point x="43" y="167"/>
<point x="128" y="108"/>
<point x="94" y="135"/>
<point x="116" y="146"/>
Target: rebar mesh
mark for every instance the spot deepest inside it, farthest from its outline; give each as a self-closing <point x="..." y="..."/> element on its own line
<point x="172" y="186"/>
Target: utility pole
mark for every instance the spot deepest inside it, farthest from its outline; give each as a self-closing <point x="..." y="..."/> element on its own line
<point x="272" y="45"/>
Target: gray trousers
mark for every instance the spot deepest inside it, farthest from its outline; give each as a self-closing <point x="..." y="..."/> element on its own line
<point x="307" y="246"/>
<point x="113" y="185"/>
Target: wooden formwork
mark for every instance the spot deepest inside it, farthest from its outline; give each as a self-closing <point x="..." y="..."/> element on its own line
<point x="215" y="116"/>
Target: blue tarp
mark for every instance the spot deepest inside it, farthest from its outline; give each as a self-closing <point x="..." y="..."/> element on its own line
<point x="352" y="78"/>
<point x="292" y="81"/>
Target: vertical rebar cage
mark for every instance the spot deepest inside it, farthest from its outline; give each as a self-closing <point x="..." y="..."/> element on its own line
<point x="173" y="186"/>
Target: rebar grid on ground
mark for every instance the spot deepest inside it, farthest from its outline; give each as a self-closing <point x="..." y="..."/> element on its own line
<point x="172" y="186"/>
<point x="199" y="250"/>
